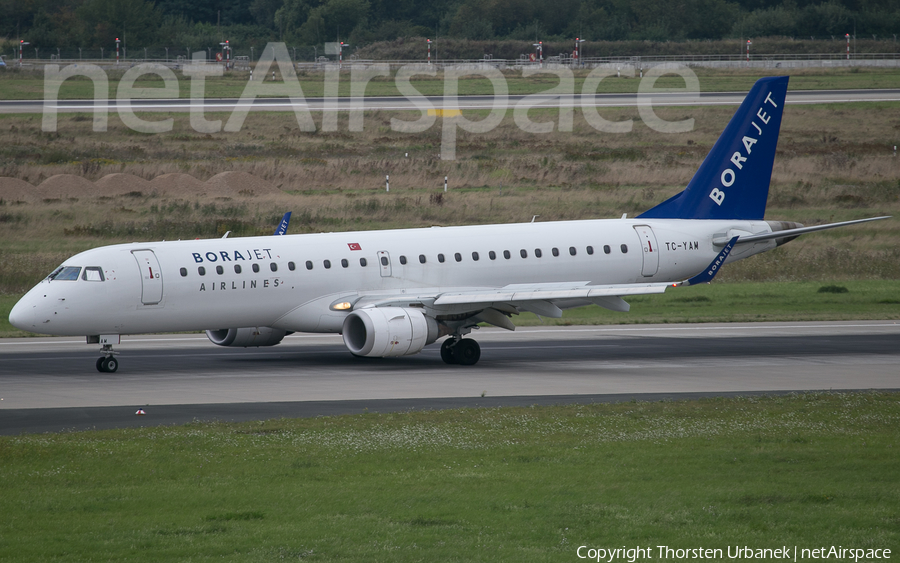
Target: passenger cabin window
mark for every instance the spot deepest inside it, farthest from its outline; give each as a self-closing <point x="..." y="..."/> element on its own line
<point x="506" y="254"/>
<point x="66" y="273"/>
<point x="492" y="255"/>
<point x="309" y="265"/>
<point x="572" y="251"/>
<point x="475" y="256"/>
<point x="403" y="260"/>
<point x="220" y="270"/>
<point x="384" y="261"/>
<point x="345" y="263"/>
<point x="327" y="264"/>
<point x="421" y="258"/>
<point x="93" y="273"/>
<point x="183" y="272"/>
<point x="590" y="250"/>
<point x="538" y="253"/>
<point x="624" y="248"/>
<point x="555" y="251"/>
<point x="457" y="257"/>
<point x="237" y="269"/>
<point x="201" y="270"/>
<point x="441" y="258"/>
<point x="363" y="262"/>
<point x="256" y="268"/>
<point x="273" y="266"/>
<point x="523" y="253"/>
<point x="292" y="266"/>
<point x="606" y="249"/>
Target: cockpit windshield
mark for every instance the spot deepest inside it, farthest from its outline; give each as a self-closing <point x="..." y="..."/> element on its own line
<point x="65" y="273"/>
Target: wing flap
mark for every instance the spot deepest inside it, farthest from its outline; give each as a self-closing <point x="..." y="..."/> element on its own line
<point x="538" y="292"/>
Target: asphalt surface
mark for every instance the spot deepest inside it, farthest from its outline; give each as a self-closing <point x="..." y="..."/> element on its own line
<point x="51" y="384"/>
<point x="319" y="104"/>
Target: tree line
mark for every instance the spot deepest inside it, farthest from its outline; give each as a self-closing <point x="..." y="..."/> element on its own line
<point x="198" y="24"/>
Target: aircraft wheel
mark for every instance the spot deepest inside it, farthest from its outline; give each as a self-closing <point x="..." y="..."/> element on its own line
<point x="112" y="365"/>
<point x="447" y="351"/>
<point x="101" y="367"/>
<point x="467" y="352"/>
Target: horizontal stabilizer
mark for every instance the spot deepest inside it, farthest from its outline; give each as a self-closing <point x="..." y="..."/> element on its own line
<point x="797" y="232"/>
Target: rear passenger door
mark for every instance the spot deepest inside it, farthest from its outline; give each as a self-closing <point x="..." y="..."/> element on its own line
<point x="649" y="250"/>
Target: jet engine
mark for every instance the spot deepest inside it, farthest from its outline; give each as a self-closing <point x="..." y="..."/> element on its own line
<point x="253" y="336"/>
<point x="388" y="331"/>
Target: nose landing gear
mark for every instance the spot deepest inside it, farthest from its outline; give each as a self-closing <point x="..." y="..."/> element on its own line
<point x="108" y="362"/>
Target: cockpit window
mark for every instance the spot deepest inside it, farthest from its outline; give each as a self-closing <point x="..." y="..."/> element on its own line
<point x="92" y="273"/>
<point x="66" y="273"/>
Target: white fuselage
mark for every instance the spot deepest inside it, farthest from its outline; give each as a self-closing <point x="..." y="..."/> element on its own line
<point x="159" y="287"/>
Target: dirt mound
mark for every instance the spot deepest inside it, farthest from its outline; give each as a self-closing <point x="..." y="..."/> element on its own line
<point x="118" y="184"/>
<point x="67" y="185"/>
<point x="177" y="184"/>
<point x="13" y="189"/>
<point x="234" y="184"/>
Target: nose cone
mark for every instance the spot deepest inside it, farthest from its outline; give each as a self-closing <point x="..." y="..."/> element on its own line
<point x="23" y="315"/>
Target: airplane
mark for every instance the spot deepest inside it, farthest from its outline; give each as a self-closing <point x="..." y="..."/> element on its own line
<point x="393" y="292"/>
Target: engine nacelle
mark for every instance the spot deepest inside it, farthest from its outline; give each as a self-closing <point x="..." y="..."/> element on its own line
<point x="388" y="331"/>
<point x="254" y="336"/>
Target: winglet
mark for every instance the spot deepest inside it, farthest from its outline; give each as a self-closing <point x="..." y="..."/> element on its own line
<point x="710" y="272"/>
<point x="282" y="227"/>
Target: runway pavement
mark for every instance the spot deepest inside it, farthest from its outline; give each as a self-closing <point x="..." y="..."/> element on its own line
<point x="318" y="104"/>
<point x="50" y="384"/>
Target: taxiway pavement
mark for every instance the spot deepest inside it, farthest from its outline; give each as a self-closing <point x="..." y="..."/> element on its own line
<point x="50" y="384"/>
<point x="320" y="104"/>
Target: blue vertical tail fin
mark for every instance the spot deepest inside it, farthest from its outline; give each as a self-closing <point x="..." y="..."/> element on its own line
<point x="733" y="181"/>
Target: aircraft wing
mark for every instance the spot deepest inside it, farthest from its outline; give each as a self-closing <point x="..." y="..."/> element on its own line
<point x="542" y="299"/>
<point x="283" y="226"/>
<point x="495" y="305"/>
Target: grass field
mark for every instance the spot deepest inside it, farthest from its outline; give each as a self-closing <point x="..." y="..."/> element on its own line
<point x="511" y="484"/>
<point x="29" y="85"/>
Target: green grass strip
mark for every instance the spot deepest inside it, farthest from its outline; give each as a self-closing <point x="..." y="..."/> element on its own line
<point x="19" y="85"/>
<point x="499" y="484"/>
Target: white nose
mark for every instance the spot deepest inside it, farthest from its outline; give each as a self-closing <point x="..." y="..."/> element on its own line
<point x="22" y="315"/>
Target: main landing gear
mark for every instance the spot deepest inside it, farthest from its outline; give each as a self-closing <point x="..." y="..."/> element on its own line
<point x="462" y="351"/>
<point x="108" y="362"/>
